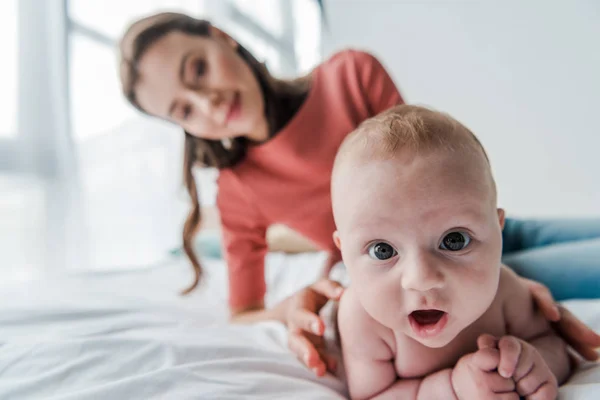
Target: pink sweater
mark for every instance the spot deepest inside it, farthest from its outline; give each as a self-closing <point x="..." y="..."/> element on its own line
<point x="286" y="180"/>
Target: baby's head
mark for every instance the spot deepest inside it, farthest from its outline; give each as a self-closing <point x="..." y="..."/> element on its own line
<point x="414" y="203"/>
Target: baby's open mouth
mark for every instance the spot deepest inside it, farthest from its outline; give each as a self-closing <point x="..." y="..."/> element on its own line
<point x="427" y="323"/>
<point x="427" y="317"/>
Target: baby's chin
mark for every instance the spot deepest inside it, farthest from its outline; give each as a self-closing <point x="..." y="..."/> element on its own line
<point x="437" y="342"/>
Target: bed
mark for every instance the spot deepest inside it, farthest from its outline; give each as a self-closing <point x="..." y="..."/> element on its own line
<point x="129" y="335"/>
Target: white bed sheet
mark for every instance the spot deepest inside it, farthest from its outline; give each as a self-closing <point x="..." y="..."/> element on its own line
<point x="128" y="335"/>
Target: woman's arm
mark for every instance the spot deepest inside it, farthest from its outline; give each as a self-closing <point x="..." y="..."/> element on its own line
<point x="243" y="232"/>
<point x="257" y="312"/>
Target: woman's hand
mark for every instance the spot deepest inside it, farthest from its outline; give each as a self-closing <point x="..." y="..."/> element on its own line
<point x="577" y="335"/>
<point x="306" y="328"/>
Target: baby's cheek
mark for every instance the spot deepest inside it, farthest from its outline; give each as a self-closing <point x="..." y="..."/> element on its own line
<point x="480" y="277"/>
<point x="475" y="275"/>
<point x="379" y="297"/>
<point x="480" y="283"/>
<point x="484" y="269"/>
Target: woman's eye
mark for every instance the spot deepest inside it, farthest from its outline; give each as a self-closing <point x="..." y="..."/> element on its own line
<point x="185" y="112"/>
<point x="455" y="241"/>
<point x="200" y="68"/>
<point x="381" y="251"/>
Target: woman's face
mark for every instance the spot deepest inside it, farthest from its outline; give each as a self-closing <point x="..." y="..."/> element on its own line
<point x="203" y="85"/>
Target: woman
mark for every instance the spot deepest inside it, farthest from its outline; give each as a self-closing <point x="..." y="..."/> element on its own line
<point x="274" y="142"/>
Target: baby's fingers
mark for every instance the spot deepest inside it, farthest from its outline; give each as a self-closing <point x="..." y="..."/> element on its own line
<point x="486" y="359"/>
<point x="546" y="392"/>
<point x="506" y="396"/>
<point x="510" y="351"/>
<point x="537" y="384"/>
<point x="484" y="341"/>
<point x="498" y="384"/>
<point x="525" y="365"/>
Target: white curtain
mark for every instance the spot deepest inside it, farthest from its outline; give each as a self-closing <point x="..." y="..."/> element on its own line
<point x="85" y="180"/>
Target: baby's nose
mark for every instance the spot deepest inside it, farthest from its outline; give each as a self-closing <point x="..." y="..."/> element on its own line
<point x="421" y="274"/>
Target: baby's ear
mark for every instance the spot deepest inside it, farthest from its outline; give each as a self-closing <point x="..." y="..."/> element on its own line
<point x="336" y="240"/>
<point x="501" y="217"/>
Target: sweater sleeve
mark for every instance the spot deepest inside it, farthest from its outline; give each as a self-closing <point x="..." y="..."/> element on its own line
<point x="377" y="85"/>
<point x="244" y="242"/>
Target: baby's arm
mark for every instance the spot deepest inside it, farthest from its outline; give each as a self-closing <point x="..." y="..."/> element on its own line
<point x="526" y="322"/>
<point x="369" y="361"/>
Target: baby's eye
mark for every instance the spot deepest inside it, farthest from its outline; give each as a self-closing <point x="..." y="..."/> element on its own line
<point x="455" y="241"/>
<point x="381" y="251"/>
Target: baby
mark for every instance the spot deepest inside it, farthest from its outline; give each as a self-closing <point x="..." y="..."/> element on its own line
<point x="430" y="312"/>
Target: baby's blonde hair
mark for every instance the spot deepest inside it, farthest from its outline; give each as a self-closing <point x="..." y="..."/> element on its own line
<point x="409" y="130"/>
<point x="413" y="128"/>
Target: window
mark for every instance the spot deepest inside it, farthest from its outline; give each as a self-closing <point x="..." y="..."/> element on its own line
<point x="22" y="233"/>
<point x="97" y="105"/>
<point x="307" y="35"/>
<point x="284" y="33"/>
<point x="8" y="68"/>
<point x="109" y="18"/>
<point x="264" y="13"/>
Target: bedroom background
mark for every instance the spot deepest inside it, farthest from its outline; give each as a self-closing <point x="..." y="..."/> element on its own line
<point x="88" y="183"/>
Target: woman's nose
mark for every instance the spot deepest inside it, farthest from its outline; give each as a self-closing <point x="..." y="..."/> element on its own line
<point x="420" y="273"/>
<point x="207" y="101"/>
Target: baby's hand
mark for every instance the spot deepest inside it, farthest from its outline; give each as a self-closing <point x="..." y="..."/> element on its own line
<point x="522" y="362"/>
<point x="475" y="376"/>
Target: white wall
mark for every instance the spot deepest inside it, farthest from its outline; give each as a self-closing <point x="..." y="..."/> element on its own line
<point x="525" y="77"/>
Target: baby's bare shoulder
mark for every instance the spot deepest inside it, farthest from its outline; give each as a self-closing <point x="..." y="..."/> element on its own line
<point x="509" y="283"/>
<point x="358" y="331"/>
<point x="523" y="318"/>
<point x="352" y="317"/>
